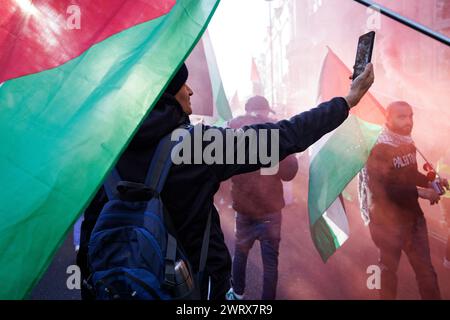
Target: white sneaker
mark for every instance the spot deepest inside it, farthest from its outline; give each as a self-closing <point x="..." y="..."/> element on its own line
<point x="231" y="295"/>
<point x="446" y="263"/>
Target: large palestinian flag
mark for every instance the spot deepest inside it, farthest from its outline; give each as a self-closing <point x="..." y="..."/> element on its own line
<point x="338" y="157"/>
<point x="78" y="77"/>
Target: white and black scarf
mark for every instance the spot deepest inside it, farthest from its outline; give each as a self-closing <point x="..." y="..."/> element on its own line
<point x="386" y="137"/>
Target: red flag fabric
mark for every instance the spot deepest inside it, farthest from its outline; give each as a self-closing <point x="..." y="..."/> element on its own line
<point x="254" y="77"/>
<point x="332" y="85"/>
<point x="43" y="34"/>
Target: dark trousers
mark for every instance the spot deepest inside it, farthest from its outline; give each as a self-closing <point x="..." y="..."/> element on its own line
<point x="214" y="287"/>
<point x="413" y="240"/>
<point x="267" y="230"/>
<point x="445" y="208"/>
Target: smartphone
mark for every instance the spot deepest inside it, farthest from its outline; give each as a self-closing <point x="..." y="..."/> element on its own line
<point x="363" y="53"/>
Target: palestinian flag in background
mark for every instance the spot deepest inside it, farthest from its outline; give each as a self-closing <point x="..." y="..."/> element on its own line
<point x="256" y="79"/>
<point x="78" y="78"/>
<point x="209" y="97"/>
<point x="338" y="157"/>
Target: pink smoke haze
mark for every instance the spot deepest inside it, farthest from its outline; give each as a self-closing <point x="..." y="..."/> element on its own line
<point x="408" y="66"/>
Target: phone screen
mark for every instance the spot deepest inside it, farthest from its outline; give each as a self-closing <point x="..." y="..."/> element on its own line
<point x="363" y="53"/>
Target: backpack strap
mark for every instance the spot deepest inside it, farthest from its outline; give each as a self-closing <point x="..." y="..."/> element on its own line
<point x="204" y="255"/>
<point x="157" y="172"/>
<point x="156" y="177"/>
<point x="171" y="254"/>
<point x="205" y="245"/>
<point x="161" y="162"/>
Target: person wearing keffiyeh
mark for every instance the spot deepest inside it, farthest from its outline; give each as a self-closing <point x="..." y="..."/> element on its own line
<point x="389" y="187"/>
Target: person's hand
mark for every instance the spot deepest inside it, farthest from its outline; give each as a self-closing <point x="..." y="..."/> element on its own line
<point x="429" y="194"/>
<point x="360" y="86"/>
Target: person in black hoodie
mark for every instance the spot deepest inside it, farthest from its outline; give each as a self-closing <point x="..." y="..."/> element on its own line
<point x="188" y="193"/>
<point x="393" y="186"/>
<point x="258" y="201"/>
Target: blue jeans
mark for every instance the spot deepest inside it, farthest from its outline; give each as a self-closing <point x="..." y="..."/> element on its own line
<point x="266" y="229"/>
<point x="413" y="240"/>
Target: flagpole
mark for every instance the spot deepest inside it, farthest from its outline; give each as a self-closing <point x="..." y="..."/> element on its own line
<point x="407" y="22"/>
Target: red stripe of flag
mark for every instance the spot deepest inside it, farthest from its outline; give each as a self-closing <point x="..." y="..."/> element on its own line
<point x="333" y="84"/>
<point x="35" y="35"/>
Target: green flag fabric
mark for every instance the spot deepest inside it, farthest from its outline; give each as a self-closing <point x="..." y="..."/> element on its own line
<point x="337" y="158"/>
<point x="63" y="124"/>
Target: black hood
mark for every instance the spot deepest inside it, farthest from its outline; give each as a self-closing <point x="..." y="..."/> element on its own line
<point x="165" y="117"/>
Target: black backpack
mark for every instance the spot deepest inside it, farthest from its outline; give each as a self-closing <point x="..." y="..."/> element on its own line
<point x="133" y="251"/>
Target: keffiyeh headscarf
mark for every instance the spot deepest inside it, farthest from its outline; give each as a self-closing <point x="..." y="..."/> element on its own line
<point x="387" y="137"/>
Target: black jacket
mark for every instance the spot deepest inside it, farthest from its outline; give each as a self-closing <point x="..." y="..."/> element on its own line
<point x="393" y="180"/>
<point x="190" y="188"/>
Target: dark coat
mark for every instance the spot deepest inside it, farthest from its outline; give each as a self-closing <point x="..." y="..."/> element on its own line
<point x="393" y="180"/>
<point x="254" y="194"/>
<point x="189" y="190"/>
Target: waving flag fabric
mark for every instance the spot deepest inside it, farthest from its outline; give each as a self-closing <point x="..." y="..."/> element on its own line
<point x="78" y="78"/>
<point x="338" y="157"/>
<point x="209" y="97"/>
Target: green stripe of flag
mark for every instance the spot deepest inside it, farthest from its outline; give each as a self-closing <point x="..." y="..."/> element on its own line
<point x="63" y="129"/>
<point x="341" y="157"/>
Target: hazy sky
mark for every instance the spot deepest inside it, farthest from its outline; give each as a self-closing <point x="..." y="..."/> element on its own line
<point x="237" y="32"/>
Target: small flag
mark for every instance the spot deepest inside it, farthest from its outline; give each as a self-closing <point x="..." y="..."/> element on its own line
<point x="256" y="79"/>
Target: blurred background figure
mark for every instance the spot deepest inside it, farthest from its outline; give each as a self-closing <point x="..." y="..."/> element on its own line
<point x="258" y="201"/>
